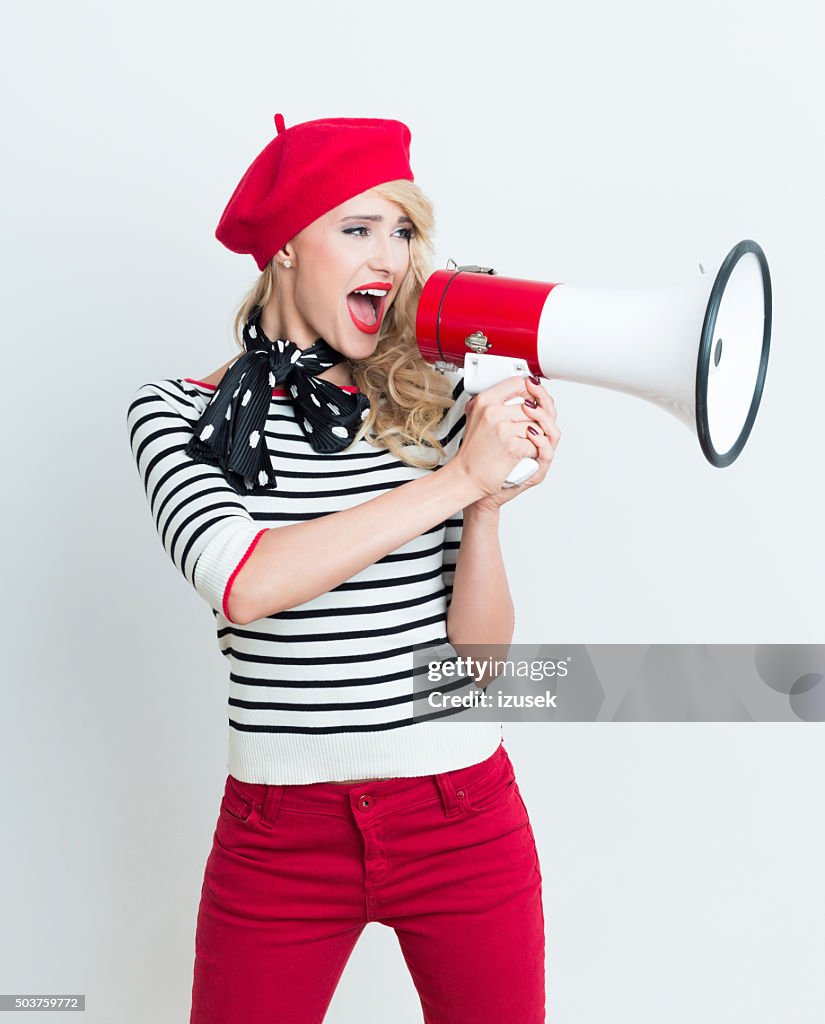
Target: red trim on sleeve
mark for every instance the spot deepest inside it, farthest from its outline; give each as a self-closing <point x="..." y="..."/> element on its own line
<point x="235" y="572"/>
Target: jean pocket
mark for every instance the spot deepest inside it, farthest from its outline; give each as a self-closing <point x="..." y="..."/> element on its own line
<point x="491" y="790"/>
<point x="238" y="801"/>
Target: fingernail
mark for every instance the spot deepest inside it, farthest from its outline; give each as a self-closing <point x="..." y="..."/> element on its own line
<point x="532" y="429"/>
<point x="535" y="380"/>
<point x="531" y="403"/>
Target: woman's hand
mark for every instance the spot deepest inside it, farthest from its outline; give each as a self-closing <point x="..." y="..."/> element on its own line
<point x="542" y="419"/>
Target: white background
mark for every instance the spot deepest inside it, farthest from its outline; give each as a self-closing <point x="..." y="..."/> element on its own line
<point x="590" y="143"/>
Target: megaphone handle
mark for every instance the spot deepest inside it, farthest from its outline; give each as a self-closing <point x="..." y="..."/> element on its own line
<point x="524" y="468"/>
<point x="522" y="471"/>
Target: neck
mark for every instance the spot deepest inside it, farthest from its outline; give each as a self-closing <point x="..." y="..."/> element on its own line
<point x="273" y="327"/>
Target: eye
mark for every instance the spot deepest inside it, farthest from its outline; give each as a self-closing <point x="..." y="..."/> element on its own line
<point x="406" y="233"/>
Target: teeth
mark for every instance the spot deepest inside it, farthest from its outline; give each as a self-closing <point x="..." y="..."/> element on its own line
<point x="370" y="291"/>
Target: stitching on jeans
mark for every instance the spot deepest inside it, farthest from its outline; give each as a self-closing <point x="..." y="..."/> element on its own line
<point x="494" y="800"/>
<point x="236" y="814"/>
<point x="236" y="788"/>
<point x="536" y="867"/>
<point x="345" y="817"/>
<point x="494" y="796"/>
<point x="411" y="807"/>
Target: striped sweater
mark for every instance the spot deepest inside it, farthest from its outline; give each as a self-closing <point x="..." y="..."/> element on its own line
<point x="321" y="691"/>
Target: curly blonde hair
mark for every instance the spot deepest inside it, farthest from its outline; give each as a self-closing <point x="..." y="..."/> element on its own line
<point x="407" y="396"/>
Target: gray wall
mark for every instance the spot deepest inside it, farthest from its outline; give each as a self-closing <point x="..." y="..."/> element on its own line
<point x="592" y="144"/>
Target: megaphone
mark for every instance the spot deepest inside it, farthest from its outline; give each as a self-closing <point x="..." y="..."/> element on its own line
<point x="697" y="350"/>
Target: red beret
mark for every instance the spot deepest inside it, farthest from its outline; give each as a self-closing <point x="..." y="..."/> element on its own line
<point x="304" y="172"/>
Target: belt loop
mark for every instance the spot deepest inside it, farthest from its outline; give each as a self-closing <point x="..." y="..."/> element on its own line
<point x="271" y="805"/>
<point x="446" y="788"/>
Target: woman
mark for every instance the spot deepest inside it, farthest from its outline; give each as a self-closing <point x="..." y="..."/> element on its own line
<point x="313" y="491"/>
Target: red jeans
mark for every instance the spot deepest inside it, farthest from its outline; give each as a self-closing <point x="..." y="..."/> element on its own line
<point x="447" y="861"/>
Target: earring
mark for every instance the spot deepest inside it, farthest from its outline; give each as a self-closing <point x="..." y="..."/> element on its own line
<point x="287" y="264"/>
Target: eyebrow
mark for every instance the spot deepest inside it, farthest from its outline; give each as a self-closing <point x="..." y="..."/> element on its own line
<point x="376" y="217"/>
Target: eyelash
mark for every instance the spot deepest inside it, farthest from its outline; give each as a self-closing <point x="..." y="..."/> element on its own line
<point x="408" y="232"/>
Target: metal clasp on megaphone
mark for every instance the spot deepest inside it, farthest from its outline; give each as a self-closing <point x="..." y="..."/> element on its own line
<point x="471" y="268"/>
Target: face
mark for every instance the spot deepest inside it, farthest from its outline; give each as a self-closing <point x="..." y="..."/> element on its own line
<point x="363" y="244"/>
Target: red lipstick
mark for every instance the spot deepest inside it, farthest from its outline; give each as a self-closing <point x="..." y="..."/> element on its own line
<point x="378" y="304"/>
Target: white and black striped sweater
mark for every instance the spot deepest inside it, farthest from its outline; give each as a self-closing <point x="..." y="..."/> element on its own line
<point x="321" y="691"/>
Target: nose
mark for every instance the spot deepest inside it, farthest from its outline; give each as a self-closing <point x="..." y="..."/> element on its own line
<point x="388" y="255"/>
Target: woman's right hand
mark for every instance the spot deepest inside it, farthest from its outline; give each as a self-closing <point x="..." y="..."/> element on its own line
<point x="495" y="436"/>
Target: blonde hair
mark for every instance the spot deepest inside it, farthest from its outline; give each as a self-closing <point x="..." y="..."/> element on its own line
<point x="407" y="396"/>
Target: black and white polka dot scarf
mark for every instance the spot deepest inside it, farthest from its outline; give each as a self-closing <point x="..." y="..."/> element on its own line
<point x="231" y="431"/>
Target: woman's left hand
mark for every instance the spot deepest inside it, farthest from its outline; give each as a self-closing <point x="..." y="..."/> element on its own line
<point x="542" y="419"/>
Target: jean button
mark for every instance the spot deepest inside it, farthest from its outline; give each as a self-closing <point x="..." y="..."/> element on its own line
<point x="460" y="794"/>
<point x="365" y="801"/>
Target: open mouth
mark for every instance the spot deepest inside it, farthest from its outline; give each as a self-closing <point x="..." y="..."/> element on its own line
<point x="366" y="307"/>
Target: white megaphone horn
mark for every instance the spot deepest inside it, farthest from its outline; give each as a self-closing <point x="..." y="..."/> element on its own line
<point x="698" y="350"/>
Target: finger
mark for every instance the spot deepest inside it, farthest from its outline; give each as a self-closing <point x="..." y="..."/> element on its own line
<point x="535" y="434"/>
<point x="544" y="455"/>
<point x="503" y="391"/>
<point x="546" y="413"/>
<point x="541" y="442"/>
<point x="544" y="465"/>
<point x="520" y="443"/>
<point x="534" y="387"/>
<point x="541" y="397"/>
<point x="543" y="412"/>
<point x="514" y="413"/>
<point x="546" y="420"/>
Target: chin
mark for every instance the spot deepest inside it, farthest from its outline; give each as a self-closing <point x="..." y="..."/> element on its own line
<point x="358" y="345"/>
